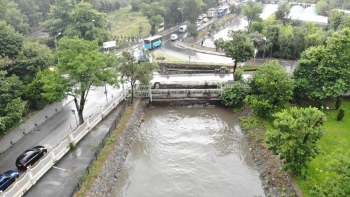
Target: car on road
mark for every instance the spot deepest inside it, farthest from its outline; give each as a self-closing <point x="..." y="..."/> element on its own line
<point x="174" y="37"/>
<point x="7" y="178"/>
<point x="204" y="15"/>
<point x="205" y="20"/>
<point x="198" y="23"/>
<point x="200" y="18"/>
<point x="30" y="157"/>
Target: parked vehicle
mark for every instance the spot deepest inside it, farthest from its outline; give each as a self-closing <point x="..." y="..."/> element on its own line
<point x="223" y="11"/>
<point x="211" y="13"/>
<point x="205" y="20"/>
<point x="174" y="37"/>
<point x="204" y="16"/>
<point x="200" y="18"/>
<point x="30" y="157"/>
<point x="198" y="23"/>
<point x="183" y="28"/>
<point x="153" y="42"/>
<point x="7" y="178"/>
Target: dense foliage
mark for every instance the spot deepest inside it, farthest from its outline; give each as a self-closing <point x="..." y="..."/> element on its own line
<point x="294" y="135"/>
<point x="337" y="182"/>
<point x="271" y="88"/>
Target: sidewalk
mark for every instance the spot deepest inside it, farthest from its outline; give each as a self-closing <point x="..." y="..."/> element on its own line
<point x="16" y="134"/>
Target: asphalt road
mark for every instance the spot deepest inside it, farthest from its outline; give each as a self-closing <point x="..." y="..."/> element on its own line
<point x="55" y="128"/>
<point x="61" y="180"/>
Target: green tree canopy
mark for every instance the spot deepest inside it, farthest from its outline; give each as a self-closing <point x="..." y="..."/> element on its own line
<point x="87" y="23"/>
<point x="323" y="72"/>
<point x="81" y="66"/>
<point x="239" y="47"/>
<point x="10" y="41"/>
<point x="154" y="13"/>
<point x="271" y="88"/>
<point x="10" y="89"/>
<point x="32" y="57"/>
<point x="252" y="11"/>
<point x="294" y="135"/>
<point x="58" y="18"/>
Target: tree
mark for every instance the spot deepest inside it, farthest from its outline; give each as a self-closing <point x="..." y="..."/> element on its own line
<point x="16" y="19"/>
<point x="32" y="57"/>
<point x="239" y="48"/>
<point x="10" y="89"/>
<point x="81" y="66"/>
<point x="294" y="135"/>
<point x="192" y="9"/>
<point x="322" y="7"/>
<point x="132" y="72"/>
<point x="10" y="41"/>
<point x="219" y="44"/>
<point x="338" y="176"/>
<point x="192" y="29"/>
<point x="283" y="12"/>
<point x="154" y="13"/>
<point x="34" y="91"/>
<point x="58" y="18"/>
<point x="322" y="72"/>
<point x="271" y="87"/>
<point x="87" y="23"/>
<point x="252" y="11"/>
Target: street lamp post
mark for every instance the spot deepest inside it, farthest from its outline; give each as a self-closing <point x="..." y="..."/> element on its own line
<point x="182" y="15"/>
<point x="264" y="48"/>
<point x="58" y="58"/>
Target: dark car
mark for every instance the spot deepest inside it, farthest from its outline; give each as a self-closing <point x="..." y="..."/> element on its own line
<point x="30" y="157"/>
<point x="7" y="178"/>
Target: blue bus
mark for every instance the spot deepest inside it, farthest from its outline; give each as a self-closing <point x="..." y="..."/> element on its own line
<point x="152" y="42"/>
<point x="223" y="11"/>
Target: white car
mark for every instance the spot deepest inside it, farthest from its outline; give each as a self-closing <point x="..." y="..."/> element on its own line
<point x="200" y="18"/>
<point x="198" y="23"/>
<point x="174" y="37"/>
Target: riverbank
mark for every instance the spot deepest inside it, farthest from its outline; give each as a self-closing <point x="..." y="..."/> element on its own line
<point x="275" y="181"/>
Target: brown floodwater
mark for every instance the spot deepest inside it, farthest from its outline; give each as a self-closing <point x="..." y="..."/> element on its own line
<point x="197" y="151"/>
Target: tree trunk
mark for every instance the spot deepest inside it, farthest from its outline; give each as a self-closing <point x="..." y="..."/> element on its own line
<point x="81" y="108"/>
<point x="234" y="67"/>
<point x="132" y="92"/>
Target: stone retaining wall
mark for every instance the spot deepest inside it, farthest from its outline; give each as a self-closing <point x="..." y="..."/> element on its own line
<point x="108" y="176"/>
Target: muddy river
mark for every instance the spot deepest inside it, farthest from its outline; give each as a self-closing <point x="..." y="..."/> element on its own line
<point x="197" y="151"/>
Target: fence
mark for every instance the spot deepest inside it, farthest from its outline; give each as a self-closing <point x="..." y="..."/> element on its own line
<point x="98" y="150"/>
<point x="34" y="173"/>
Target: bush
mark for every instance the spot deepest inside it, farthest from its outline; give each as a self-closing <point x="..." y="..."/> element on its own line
<point x="234" y="95"/>
<point x="338" y="103"/>
<point x="238" y="75"/>
<point x="276" y="54"/>
<point x="341" y="114"/>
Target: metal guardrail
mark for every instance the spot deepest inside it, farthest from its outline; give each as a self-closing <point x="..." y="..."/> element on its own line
<point x="34" y="173"/>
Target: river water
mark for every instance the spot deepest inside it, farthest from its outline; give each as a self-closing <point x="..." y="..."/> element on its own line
<point x="197" y="151"/>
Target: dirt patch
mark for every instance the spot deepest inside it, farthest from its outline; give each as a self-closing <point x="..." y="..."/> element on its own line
<point x="275" y="181"/>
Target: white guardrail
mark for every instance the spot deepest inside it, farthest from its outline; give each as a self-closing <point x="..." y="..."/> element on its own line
<point x="33" y="174"/>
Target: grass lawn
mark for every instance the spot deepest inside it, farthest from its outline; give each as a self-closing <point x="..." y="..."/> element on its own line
<point x="126" y="23"/>
<point x="337" y="136"/>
